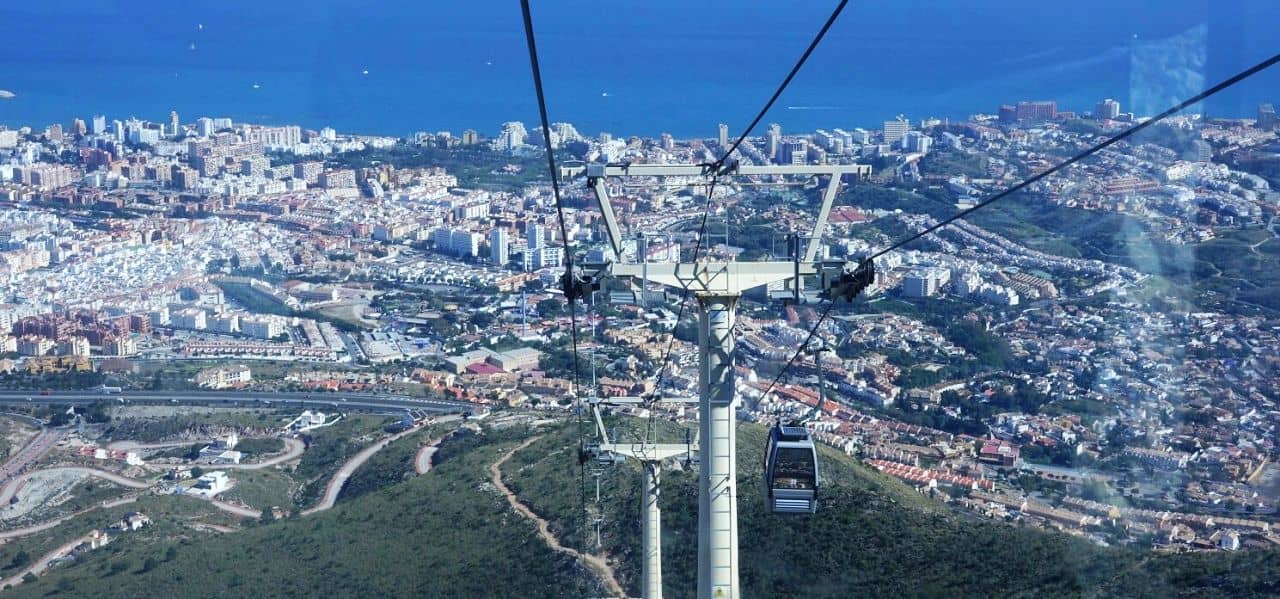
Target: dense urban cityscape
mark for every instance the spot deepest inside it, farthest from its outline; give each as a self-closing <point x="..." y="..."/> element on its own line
<point x="1097" y="356"/>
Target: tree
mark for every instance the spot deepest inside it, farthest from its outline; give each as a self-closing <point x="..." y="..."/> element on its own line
<point x="19" y="560"/>
<point x="551" y="308"/>
<point x="991" y="350"/>
<point x="482" y="320"/>
<point x="28" y="578"/>
<point x="918" y="377"/>
<point x="97" y="412"/>
<point x="59" y="417"/>
<point x="197" y="472"/>
<point x="441" y="327"/>
<point x="1094" y="490"/>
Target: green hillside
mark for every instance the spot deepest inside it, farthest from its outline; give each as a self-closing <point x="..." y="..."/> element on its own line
<point x="448" y="534"/>
<point x="874" y="536"/>
<point x="451" y="534"/>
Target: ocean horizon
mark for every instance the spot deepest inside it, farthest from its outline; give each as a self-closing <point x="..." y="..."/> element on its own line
<point x="624" y="68"/>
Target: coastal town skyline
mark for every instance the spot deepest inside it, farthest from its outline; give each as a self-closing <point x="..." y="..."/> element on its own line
<point x="305" y="298"/>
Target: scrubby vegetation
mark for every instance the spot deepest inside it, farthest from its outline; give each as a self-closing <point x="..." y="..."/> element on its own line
<point x="200" y="425"/>
<point x="451" y="534"/>
<point x="391" y="465"/>
<point x="327" y="449"/>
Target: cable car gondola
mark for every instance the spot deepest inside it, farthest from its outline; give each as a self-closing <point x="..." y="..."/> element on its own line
<point x="791" y="471"/>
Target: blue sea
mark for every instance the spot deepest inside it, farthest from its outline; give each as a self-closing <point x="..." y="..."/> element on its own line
<point x="626" y="67"/>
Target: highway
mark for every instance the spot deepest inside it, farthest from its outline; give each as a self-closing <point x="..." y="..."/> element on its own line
<point x="32" y="453"/>
<point x="327" y="401"/>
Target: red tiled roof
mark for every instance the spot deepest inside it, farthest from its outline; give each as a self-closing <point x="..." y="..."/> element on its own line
<point x="483" y="368"/>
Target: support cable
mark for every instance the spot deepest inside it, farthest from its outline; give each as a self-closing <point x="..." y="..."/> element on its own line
<point x="717" y="168"/>
<point x="813" y="45"/>
<point x="555" y="176"/>
<point x="1234" y="79"/>
<point x="569" y="270"/>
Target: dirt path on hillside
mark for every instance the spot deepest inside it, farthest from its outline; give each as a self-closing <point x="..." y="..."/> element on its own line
<point x="22" y="532"/>
<point x="426" y="456"/>
<point x="205" y="527"/>
<point x="595" y="562"/>
<point x="334" y="488"/>
<point x="41" y="564"/>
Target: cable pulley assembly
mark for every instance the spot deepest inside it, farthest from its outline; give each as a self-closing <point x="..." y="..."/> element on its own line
<point x="577" y="284"/>
<point x="850" y="284"/>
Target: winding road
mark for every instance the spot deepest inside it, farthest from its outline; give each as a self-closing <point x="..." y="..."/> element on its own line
<point x="293" y="449"/>
<point x="43" y="526"/>
<point x="363" y="401"/>
<point x="39" y="565"/>
<point x="336" y="483"/>
<point x="239" y="510"/>
<point x="31" y="452"/>
<point x="422" y="462"/>
<point x="213" y="527"/>
<point x="11" y="487"/>
<point x="595" y="562"/>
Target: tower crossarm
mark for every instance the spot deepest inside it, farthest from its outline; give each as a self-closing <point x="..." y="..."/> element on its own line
<point x="597" y="174"/>
<point x="714" y="277"/>
<point x="649" y="452"/>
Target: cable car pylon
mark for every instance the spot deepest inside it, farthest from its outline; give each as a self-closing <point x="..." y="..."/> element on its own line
<point x="650" y="456"/>
<point x="716" y="285"/>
